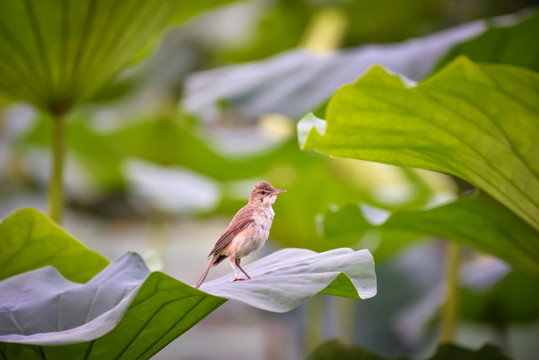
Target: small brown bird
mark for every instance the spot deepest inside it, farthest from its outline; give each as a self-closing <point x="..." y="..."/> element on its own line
<point x="247" y="232"/>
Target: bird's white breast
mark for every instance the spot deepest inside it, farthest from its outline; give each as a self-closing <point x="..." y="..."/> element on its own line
<point x="255" y="236"/>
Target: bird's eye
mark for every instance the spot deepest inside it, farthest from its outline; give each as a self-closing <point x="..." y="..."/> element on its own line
<point x="263" y="192"/>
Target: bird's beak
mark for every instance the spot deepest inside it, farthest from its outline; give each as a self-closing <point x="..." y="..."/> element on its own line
<point x="278" y="191"/>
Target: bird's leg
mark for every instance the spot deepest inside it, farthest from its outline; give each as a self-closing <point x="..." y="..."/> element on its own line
<point x="243" y="271"/>
<point x="231" y="259"/>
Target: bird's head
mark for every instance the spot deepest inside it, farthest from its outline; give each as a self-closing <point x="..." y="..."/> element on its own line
<point x="264" y="193"/>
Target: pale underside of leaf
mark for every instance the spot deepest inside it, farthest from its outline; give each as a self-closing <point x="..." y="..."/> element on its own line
<point x="42" y="307"/>
<point x="296" y="81"/>
<point x="285" y="279"/>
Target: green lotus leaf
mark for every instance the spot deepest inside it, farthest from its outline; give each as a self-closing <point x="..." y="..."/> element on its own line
<point x="57" y="54"/>
<point x="475" y="121"/>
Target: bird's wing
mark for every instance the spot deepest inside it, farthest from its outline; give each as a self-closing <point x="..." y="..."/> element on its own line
<point x="240" y="222"/>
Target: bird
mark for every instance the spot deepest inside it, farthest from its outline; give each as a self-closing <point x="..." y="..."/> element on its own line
<point x="247" y="232"/>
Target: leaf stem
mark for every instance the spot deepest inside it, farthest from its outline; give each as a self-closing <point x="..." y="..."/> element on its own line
<point x="325" y="30"/>
<point x="313" y="328"/>
<point x="450" y="307"/>
<point x="55" y="202"/>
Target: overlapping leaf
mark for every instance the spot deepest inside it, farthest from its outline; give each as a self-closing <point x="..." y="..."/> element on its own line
<point x="477" y="122"/>
<point x="476" y="221"/>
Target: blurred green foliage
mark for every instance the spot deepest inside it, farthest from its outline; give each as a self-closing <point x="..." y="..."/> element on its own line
<point x="512" y="300"/>
<point x="284" y="24"/>
<point x="313" y="181"/>
<point x="514" y="45"/>
<point x="335" y="349"/>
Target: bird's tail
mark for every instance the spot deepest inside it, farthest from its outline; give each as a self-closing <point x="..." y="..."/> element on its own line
<point x="205" y="273"/>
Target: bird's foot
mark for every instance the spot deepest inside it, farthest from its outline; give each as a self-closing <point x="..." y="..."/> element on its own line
<point x="239" y="279"/>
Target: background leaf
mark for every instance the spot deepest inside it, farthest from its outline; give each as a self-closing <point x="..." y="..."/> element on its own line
<point x="296" y="81"/>
<point x="286" y="24"/>
<point x="163" y="141"/>
<point x="511" y="300"/>
<point x="514" y="45"/>
<point x="335" y="349"/>
<point x="60" y="53"/>
<point x="475" y="220"/>
<point x="466" y="121"/>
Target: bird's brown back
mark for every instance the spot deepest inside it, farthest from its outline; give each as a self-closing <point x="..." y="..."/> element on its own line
<point x="242" y="220"/>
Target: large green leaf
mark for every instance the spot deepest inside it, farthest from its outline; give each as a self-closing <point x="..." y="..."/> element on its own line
<point x="477" y="122"/>
<point x="46" y="316"/>
<point x="29" y="240"/>
<point x="514" y="45"/>
<point x="476" y="220"/>
<point x="56" y="54"/>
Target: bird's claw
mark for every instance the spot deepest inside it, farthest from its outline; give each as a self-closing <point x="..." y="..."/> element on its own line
<point x="239" y="279"/>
